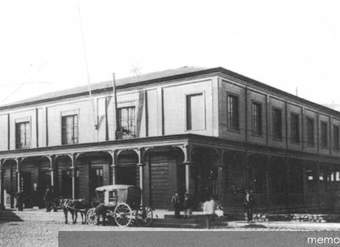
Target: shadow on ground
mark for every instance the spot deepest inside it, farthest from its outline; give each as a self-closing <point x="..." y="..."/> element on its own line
<point x="8" y="216"/>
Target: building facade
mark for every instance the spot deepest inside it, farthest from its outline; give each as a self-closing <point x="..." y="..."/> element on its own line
<point x="202" y="131"/>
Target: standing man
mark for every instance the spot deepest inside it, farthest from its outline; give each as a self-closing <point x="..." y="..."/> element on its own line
<point x="249" y="204"/>
<point x="101" y="212"/>
<point x="48" y="199"/>
<point x="176" y="202"/>
<point x="187" y="205"/>
<point x="54" y="200"/>
<point x="20" y="200"/>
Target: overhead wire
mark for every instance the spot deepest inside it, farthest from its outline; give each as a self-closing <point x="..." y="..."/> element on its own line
<point x="83" y="42"/>
<point x="13" y="92"/>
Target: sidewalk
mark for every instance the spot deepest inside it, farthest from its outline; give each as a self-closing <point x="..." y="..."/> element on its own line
<point x="291" y="222"/>
<point x="285" y="226"/>
<point x="166" y="219"/>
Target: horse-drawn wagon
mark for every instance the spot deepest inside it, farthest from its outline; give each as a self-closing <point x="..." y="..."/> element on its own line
<point x="122" y="205"/>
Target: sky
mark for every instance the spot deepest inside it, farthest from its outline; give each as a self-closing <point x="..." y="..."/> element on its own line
<point x="52" y="45"/>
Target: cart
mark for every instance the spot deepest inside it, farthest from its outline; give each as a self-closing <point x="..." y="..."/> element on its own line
<point x="122" y="205"/>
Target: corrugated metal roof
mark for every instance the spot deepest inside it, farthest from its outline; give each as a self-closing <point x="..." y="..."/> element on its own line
<point x="108" y="84"/>
<point x="161" y="76"/>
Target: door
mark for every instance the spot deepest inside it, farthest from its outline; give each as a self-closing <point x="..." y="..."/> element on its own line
<point x="10" y="185"/>
<point x="96" y="179"/>
<point x="160" y="188"/>
<point x="66" y="183"/>
<point x="27" y="188"/>
<point x="44" y="180"/>
<point x="44" y="183"/>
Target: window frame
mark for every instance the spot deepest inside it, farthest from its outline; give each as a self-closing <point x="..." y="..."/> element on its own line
<point x="296" y="139"/>
<point x="28" y="138"/>
<point x="310" y="140"/>
<point x="324" y="140"/>
<point x="256" y="118"/>
<point x="188" y="111"/>
<point x="130" y="134"/>
<point x="336" y="138"/>
<point x="101" y="110"/>
<point x="274" y="136"/>
<point x="74" y="129"/>
<point x="230" y="125"/>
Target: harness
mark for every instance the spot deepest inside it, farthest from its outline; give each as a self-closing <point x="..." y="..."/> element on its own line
<point x="71" y="204"/>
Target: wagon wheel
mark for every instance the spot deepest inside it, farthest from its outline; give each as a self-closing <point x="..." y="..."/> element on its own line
<point x="146" y="215"/>
<point x="123" y="214"/>
<point x="91" y="217"/>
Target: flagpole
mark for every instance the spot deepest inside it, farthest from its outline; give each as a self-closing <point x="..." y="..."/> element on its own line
<point x="93" y="103"/>
<point x="115" y="102"/>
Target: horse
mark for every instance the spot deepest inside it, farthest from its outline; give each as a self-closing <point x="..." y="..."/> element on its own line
<point x="74" y="206"/>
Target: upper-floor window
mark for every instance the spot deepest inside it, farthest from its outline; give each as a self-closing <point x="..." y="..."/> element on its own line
<point x="256" y="118"/>
<point x="277" y="124"/>
<point x="101" y="112"/>
<point x="195" y="112"/>
<point x="69" y="129"/>
<point x="294" y="128"/>
<point x="336" y="140"/>
<point x="233" y="121"/>
<point x="324" y="134"/>
<point x="22" y="135"/>
<point x="310" y="131"/>
<point x="126" y="122"/>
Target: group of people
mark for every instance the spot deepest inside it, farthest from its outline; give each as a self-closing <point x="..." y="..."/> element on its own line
<point x="210" y="206"/>
<point x="50" y="199"/>
<point x="178" y="204"/>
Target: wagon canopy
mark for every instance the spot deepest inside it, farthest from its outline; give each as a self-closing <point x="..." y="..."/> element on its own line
<point x="114" y="187"/>
<point x="117" y="193"/>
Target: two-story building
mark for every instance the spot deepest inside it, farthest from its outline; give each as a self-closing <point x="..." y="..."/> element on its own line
<point x="202" y="131"/>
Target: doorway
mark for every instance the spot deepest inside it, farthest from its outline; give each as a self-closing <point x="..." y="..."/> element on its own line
<point x="96" y="179"/>
<point x="27" y="188"/>
<point x="44" y="183"/>
<point x="66" y="183"/>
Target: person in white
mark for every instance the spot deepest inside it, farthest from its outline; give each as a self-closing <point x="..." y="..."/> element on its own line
<point x="209" y="208"/>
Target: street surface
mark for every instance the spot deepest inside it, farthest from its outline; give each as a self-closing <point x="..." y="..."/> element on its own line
<point x="42" y="233"/>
